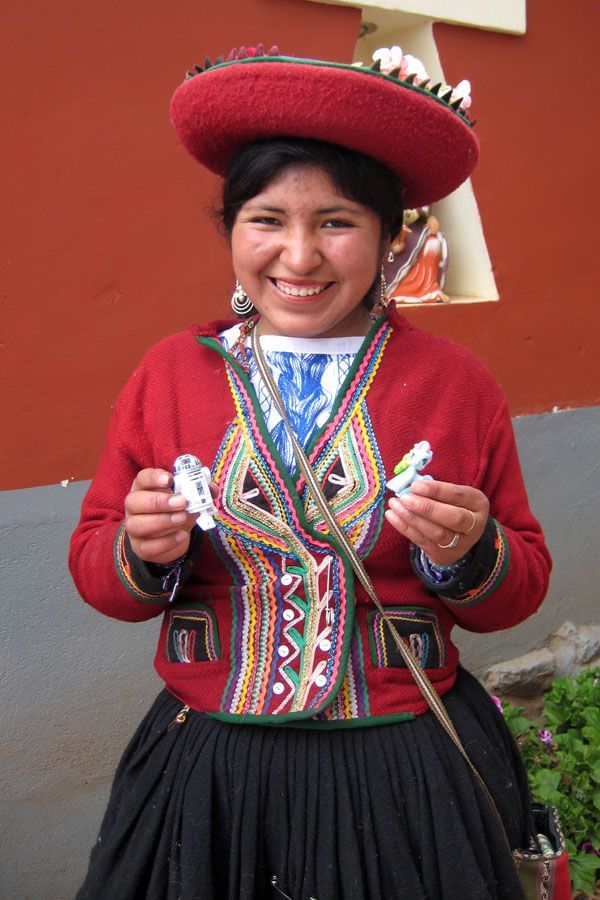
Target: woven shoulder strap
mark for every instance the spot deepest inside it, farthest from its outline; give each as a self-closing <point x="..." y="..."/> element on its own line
<point x="427" y="689"/>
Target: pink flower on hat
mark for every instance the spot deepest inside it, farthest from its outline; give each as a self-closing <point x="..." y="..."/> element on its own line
<point x="390" y="58"/>
<point x="462" y="89"/>
<point x="413" y="66"/>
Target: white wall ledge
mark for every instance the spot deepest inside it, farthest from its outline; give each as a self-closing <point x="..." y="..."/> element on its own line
<point x="506" y="16"/>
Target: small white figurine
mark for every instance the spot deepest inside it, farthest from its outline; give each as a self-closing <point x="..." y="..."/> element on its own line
<point x="192" y="481"/>
<point x="407" y="470"/>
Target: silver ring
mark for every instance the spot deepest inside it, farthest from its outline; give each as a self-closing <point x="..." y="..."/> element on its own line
<point x="472" y="526"/>
<point x="453" y="543"/>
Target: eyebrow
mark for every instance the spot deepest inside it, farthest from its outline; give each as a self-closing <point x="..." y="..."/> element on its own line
<point x="326" y="211"/>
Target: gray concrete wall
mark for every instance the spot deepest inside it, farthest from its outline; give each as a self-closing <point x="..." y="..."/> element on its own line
<point x="75" y="685"/>
<point x="560" y="456"/>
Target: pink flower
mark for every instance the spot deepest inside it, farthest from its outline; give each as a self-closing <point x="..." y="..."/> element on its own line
<point x="390" y="58"/>
<point x="413" y="66"/>
<point x="463" y="90"/>
<point x="588" y="847"/>
<point x="545" y="736"/>
<point x="498" y="702"/>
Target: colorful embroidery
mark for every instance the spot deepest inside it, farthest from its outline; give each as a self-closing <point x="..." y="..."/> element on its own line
<point x="288" y="641"/>
<point x="125" y="575"/>
<point x="494" y="579"/>
<point x="352" y="701"/>
<point x="418" y="627"/>
<point x="292" y="617"/>
<point x="346" y="458"/>
<point x="192" y="635"/>
<point x="351" y="472"/>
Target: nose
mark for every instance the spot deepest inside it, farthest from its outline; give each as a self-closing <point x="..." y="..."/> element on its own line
<point x="301" y="252"/>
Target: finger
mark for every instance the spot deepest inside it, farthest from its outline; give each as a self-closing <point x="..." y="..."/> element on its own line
<point x="441" y="515"/>
<point x="150" y="526"/>
<point x="214" y="490"/>
<point x="408" y="529"/>
<point x="443" y="546"/>
<point x="163" y="549"/>
<point x="460" y="495"/>
<point x="140" y="502"/>
<point x="424" y="532"/>
<point x="152" y="480"/>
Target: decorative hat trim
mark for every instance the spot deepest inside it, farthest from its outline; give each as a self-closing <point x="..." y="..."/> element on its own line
<point x="388" y="111"/>
<point x="450" y="99"/>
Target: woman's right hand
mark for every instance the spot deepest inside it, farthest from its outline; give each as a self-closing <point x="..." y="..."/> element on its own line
<point x="156" y="521"/>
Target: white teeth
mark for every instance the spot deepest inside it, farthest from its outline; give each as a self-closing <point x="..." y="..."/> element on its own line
<point x="300" y="292"/>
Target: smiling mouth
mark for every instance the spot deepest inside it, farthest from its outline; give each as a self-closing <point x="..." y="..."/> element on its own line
<point x="298" y="290"/>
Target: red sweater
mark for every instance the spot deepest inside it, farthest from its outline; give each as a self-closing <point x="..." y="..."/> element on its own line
<point x="270" y="626"/>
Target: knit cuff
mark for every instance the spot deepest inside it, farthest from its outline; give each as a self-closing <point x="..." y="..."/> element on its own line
<point x="154" y="582"/>
<point x="439" y="576"/>
<point x="483" y="571"/>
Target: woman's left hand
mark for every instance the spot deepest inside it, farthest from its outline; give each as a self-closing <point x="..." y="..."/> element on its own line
<point x="432" y="513"/>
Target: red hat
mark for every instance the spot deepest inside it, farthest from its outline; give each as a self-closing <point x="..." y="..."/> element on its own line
<point x="424" y="138"/>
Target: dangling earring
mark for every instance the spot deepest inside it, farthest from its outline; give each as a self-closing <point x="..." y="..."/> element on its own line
<point x="241" y="303"/>
<point x="383" y="291"/>
<point x="390" y="256"/>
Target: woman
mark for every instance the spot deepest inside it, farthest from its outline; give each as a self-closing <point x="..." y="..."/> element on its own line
<point x="251" y="776"/>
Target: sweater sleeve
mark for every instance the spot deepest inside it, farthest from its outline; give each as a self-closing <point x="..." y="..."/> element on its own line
<point x="514" y="564"/>
<point x="105" y="570"/>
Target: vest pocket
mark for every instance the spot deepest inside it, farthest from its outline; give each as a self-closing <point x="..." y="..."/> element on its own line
<point x="192" y="635"/>
<point x="420" y="629"/>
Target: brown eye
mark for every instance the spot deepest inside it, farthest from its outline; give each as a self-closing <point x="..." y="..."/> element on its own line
<point x="338" y="223"/>
<point x="264" y="220"/>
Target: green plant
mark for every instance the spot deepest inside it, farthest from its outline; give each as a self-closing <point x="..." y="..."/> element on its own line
<point x="563" y="761"/>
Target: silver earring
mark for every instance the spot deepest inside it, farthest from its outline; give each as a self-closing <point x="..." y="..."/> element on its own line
<point x="390" y="256"/>
<point x="383" y="290"/>
<point x="241" y="303"/>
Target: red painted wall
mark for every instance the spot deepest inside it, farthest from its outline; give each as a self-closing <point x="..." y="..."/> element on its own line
<point x="108" y="246"/>
<point x="537" y="191"/>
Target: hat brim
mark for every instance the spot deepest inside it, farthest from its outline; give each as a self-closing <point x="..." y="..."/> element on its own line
<point x="419" y="137"/>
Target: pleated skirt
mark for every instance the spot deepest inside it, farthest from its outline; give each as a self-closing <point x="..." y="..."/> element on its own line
<point x="208" y="810"/>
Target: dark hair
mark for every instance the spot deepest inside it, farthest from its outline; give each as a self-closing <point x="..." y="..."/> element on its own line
<point x="357" y="177"/>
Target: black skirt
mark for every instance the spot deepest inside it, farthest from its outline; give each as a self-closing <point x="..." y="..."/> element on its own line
<point x="212" y="811"/>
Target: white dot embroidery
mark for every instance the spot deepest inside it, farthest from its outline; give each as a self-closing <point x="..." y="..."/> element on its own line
<point x="288" y="615"/>
<point x="278" y="688"/>
<point x="283" y="651"/>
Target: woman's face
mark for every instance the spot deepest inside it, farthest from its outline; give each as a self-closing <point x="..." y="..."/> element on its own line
<point x="307" y="256"/>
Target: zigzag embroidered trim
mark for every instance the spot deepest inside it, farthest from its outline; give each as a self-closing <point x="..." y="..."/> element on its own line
<point x="282" y="582"/>
<point x="352" y="701"/>
<point x="125" y="575"/>
<point x="493" y="580"/>
<point x="292" y="642"/>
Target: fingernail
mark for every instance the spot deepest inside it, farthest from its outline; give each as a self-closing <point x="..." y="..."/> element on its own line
<point x="175" y="501"/>
<point x="408" y="500"/>
<point x="178" y="518"/>
<point x="181" y="536"/>
<point x="163" y="479"/>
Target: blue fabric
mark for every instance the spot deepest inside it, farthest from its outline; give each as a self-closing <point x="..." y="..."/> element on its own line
<point x="308" y="384"/>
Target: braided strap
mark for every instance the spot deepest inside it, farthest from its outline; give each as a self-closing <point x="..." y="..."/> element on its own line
<point x="427" y="689"/>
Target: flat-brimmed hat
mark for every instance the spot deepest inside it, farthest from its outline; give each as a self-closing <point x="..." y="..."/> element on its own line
<point x="420" y="131"/>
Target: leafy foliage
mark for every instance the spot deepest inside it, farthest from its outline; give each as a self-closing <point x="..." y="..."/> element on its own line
<point x="563" y="760"/>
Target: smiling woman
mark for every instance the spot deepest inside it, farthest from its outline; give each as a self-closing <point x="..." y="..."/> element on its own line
<point x="307" y="256"/>
<point x="292" y="753"/>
